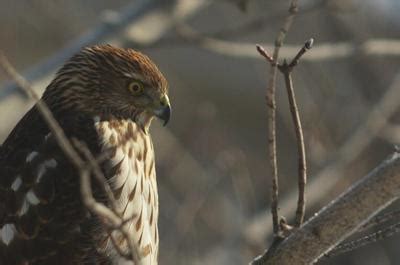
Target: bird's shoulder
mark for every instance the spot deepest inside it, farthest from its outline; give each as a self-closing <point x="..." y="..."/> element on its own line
<point x="32" y="132"/>
<point x="38" y="187"/>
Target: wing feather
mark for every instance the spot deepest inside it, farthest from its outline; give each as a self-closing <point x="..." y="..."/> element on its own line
<point x="42" y="218"/>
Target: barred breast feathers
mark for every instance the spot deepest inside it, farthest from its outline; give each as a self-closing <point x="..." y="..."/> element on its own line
<point x="132" y="177"/>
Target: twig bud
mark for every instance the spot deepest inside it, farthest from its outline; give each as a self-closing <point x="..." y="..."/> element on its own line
<point x="308" y="45"/>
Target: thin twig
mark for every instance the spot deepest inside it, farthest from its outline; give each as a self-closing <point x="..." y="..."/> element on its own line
<point x="286" y="70"/>
<point x="307" y="46"/>
<point x="271" y="104"/>
<point x="263" y="21"/>
<point x="55" y="128"/>
<point x="272" y="145"/>
<point x="112" y="221"/>
<point x="264" y="53"/>
<point x="198" y="38"/>
<point x="98" y="173"/>
<point x="102" y="211"/>
<point x="127" y="15"/>
<point x="302" y="170"/>
<point x="329" y="51"/>
<point x="333" y="172"/>
<point x="117" y="247"/>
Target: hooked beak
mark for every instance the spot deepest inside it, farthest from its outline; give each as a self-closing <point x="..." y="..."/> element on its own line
<point x="164" y="111"/>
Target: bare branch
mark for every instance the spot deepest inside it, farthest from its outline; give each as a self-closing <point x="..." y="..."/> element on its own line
<point x="366" y="240"/>
<point x="263" y="21"/>
<point x="307" y="46"/>
<point x="374" y="222"/>
<point x="302" y="170"/>
<point x="121" y="19"/>
<point x="380" y="219"/>
<point x="264" y="53"/>
<point x="323" y="52"/>
<point x="98" y="174"/>
<point x="55" y="128"/>
<point x="106" y="214"/>
<point x="271" y="104"/>
<point x="333" y="172"/>
<point x="339" y="219"/>
<point x="286" y="70"/>
<point x="112" y="220"/>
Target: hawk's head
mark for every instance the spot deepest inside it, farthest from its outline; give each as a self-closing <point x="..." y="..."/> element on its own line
<point x="105" y="80"/>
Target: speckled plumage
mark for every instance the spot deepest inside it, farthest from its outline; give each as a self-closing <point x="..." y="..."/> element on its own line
<point x="42" y="218"/>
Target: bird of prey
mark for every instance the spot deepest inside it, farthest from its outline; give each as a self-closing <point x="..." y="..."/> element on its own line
<point x="105" y="97"/>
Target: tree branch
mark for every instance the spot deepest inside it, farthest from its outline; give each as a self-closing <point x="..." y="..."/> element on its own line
<point x="333" y="172"/>
<point x="286" y="70"/>
<point x="108" y="215"/>
<point x="363" y="241"/>
<point x="380" y="219"/>
<point x="271" y="104"/>
<point x="340" y="218"/>
<point x="108" y="26"/>
<point x="328" y="51"/>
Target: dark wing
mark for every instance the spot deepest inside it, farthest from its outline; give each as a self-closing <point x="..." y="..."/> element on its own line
<point x="42" y="219"/>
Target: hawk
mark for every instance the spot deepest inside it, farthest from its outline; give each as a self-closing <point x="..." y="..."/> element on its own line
<point x="105" y="97"/>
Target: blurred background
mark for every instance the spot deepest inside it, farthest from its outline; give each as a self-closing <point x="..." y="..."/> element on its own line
<point x="213" y="170"/>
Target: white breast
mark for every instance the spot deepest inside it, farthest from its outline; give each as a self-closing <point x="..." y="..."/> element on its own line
<point x="134" y="184"/>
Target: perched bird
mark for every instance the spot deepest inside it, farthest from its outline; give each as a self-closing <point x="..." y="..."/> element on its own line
<point x="105" y="97"/>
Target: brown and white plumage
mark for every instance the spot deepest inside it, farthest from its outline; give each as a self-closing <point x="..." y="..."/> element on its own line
<point x="105" y="97"/>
